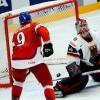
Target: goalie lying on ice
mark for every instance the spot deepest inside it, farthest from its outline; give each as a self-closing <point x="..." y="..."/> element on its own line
<point x="84" y="56"/>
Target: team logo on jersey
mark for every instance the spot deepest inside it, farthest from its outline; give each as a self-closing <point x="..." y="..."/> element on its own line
<point x="71" y="49"/>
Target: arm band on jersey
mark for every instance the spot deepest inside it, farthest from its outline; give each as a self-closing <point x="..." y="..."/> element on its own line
<point x="20" y="84"/>
<point x="48" y="86"/>
<point x="37" y="26"/>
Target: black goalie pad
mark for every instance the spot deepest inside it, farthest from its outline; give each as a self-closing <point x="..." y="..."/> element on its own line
<point x="70" y="85"/>
<point x="84" y="69"/>
<point x="73" y="69"/>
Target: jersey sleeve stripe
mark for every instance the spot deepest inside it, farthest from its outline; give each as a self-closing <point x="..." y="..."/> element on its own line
<point x="73" y="55"/>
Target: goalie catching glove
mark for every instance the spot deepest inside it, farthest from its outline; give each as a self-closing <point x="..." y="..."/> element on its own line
<point x="47" y="50"/>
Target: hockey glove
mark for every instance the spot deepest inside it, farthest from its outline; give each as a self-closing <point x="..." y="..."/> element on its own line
<point x="47" y="50"/>
<point x="73" y="70"/>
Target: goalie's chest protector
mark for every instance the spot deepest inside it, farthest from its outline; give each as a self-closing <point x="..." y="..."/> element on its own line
<point x="89" y="48"/>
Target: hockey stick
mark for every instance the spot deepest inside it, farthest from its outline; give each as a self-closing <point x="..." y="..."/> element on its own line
<point x="85" y="73"/>
<point x="55" y="61"/>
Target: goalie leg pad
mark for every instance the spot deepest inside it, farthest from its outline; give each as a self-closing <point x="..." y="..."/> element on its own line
<point x="96" y="77"/>
<point x="70" y="85"/>
<point x="49" y="94"/>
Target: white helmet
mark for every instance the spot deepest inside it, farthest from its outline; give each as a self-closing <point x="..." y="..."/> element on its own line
<point x="83" y="30"/>
<point x="80" y="24"/>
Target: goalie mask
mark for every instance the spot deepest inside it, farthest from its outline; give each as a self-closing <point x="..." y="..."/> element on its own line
<point x="82" y="29"/>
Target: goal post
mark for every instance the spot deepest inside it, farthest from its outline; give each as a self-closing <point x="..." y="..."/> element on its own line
<point x="49" y="14"/>
<point x="5" y="62"/>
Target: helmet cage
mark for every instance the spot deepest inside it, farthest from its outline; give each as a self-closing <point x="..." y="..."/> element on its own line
<point x="80" y="25"/>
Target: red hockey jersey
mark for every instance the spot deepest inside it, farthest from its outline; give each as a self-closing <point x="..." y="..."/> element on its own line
<point x="27" y="39"/>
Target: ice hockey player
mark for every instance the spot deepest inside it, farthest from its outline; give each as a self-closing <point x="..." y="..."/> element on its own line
<point x="27" y="56"/>
<point x="84" y="56"/>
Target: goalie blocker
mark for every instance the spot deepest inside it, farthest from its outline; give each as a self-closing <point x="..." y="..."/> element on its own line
<point x="75" y="70"/>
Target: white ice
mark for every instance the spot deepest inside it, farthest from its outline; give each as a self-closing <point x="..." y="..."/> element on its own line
<point x="64" y="31"/>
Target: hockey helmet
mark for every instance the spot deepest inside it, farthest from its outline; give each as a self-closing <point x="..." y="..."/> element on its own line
<point x="24" y="18"/>
<point x="80" y="24"/>
<point x="82" y="28"/>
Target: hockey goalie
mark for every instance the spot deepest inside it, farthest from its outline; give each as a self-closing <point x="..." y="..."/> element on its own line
<point x="84" y="56"/>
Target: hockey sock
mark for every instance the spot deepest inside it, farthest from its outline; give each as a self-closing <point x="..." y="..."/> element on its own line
<point x="49" y="94"/>
<point x="16" y="92"/>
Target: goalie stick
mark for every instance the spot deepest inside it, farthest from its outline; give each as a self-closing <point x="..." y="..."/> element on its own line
<point x="85" y="73"/>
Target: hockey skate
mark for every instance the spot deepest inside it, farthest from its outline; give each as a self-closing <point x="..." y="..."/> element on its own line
<point x="58" y="90"/>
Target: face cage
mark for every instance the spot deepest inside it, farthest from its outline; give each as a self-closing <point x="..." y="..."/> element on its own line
<point x="79" y="27"/>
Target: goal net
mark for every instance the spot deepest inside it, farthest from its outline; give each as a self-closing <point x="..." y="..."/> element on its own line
<point x="57" y="16"/>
